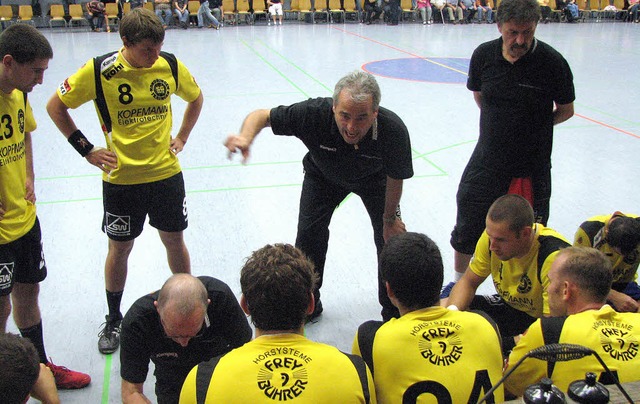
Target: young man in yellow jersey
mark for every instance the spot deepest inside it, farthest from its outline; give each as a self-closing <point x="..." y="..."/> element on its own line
<point x="580" y="280"/>
<point x="430" y="351"/>
<point x="517" y="253"/>
<point x="142" y="177"/>
<point x="25" y="54"/>
<point x="616" y="235"/>
<point x="280" y="364"/>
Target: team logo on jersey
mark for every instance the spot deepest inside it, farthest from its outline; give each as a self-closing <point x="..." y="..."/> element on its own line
<point x="117" y="225"/>
<point x="64" y="87"/>
<point x="440" y="344"/>
<point x="525" y="284"/>
<point x="6" y="273"/>
<point x="21" y="120"/>
<point x="159" y="89"/>
<point x="109" y="68"/>
<point x="283" y="378"/>
<point x="617" y="340"/>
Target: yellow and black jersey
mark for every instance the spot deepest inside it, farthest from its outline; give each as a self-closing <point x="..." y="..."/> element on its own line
<point x="521" y="282"/>
<point x="134" y="108"/>
<point x="432" y="355"/>
<point x="614" y="336"/>
<point x="16" y="119"/>
<point x="278" y="368"/>
<point x="591" y="234"/>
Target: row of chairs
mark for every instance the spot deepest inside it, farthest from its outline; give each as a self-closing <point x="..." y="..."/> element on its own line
<point x="330" y="10"/>
<point x="592" y="10"/>
<point x="25" y="14"/>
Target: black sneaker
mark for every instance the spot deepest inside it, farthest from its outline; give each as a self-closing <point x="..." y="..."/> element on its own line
<point x="109" y="336"/>
<point x="317" y="311"/>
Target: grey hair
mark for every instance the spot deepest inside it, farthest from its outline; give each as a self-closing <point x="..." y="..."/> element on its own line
<point x="360" y="86"/>
<point x="520" y="11"/>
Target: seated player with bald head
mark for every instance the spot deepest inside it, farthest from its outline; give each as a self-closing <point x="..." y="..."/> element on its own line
<point x="188" y="321"/>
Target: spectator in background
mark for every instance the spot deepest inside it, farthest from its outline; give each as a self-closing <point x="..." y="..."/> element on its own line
<point x="424" y="7"/>
<point x="372" y="11"/>
<point x="634" y="6"/>
<point x="96" y="16"/>
<point x="204" y="12"/>
<point x="163" y="11"/>
<point x="469" y="10"/>
<point x="545" y="10"/>
<point x="180" y="7"/>
<point x="452" y="7"/>
<point x="484" y="7"/>
<point x="217" y="10"/>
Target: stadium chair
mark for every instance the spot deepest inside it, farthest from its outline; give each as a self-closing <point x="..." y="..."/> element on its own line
<point x="25" y="14"/>
<point x="405" y="7"/>
<point x="193" y="6"/>
<point x="6" y="16"/>
<point x="111" y="12"/>
<point x="57" y="15"/>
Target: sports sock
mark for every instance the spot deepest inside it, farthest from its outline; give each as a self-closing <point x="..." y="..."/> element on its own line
<point x="34" y="334"/>
<point x="113" y="301"/>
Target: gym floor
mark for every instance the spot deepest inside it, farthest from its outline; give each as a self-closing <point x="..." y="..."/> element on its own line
<point x="235" y="209"/>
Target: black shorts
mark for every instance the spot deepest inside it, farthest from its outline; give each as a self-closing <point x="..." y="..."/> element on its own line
<point x="478" y="189"/>
<point x="22" y="260"/>
<point x="510" y="321"/>
<point x="126" y="207"/>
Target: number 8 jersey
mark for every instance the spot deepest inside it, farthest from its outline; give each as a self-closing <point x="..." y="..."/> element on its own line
<point x="134" y="108"/>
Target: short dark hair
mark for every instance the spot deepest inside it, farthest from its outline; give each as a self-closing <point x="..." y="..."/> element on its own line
<point x="20" y="368"/>
<point x="277" y="282"/>
<point x="624" y="233"/>
<point x="512" y="209"/>
<point x="588" y="268"/>
<point x="412" y="264"/>
<point x="519" y="11"/>
<point x="140" y="24"/>
<point x="24" y="43"/>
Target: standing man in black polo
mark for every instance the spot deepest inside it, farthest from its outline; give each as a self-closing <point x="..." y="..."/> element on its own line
<point x="523" y="88"/>
<point x="354" y="146"/>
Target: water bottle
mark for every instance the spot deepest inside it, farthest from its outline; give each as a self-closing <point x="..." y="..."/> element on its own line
<point x="588" y="390"/>
<point x="544" y="392"/>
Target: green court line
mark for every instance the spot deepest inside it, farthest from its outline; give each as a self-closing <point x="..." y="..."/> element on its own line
<point x="445" y="148"/>
<point x="296" y="66"/>
<point x="99" y="174"/>
<point x="268" y="163"/>
<point x="69" y="201"/>
<point x="422" y="157"/>
<point x="107" y="379"/>
<point x="417" y="156"/>
<point x="274" y="68"/>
